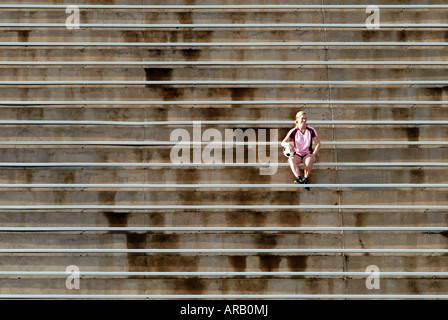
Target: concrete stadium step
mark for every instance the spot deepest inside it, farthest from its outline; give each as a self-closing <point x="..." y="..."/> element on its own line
<point x="171" y="175"/>
<point x="219" y="93"/>
<point x="207" y="16"/>
<point x="241" y="113"/>
<point x="177" y="34"/>
<point x="158" y="154"/>
<point x="223" y="286"/>
<point x="176" y="263"/>
<point x="141" y="132"/>
<point x="229" y="263"/>
<point x="253" y="135"/>
<point x="227" y="240"/>
<point x="188" y="218"/>
<point x="218" y="175"/>
<point x="192" y="54"/>
<point x="377" y="154"/>
<point x="171" y="220"/>
<point x="174" y="286"/>
<point x="186" y="241"/>
<point x="226" y="73"/>
<point x="288" y="196"/>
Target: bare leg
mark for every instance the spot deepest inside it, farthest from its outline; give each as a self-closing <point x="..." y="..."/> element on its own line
<point x="294" y="164"/>
<point x="308" y="161"/>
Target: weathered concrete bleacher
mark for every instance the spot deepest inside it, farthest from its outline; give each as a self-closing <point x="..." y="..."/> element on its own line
<point x="331" y="243"/>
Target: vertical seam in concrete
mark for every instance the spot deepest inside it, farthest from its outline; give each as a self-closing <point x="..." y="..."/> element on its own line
<point x="340" y="213"/>
<point x="145" y="114"/>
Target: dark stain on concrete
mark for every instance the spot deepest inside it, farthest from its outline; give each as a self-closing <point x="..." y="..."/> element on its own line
<point x="23" y="35"/>
<point x="444" y="234"/>
<point x="191" y="35"/>
<point x="105" y="2"/>
<point x="359" y="220"/>
<point x="260" y="218"/>
<point x="412" y="133"/>
<point x="297" y="263"/>
<point x="269" y="263"/>
<point x="436" y="93"/>
<point x="187" y="176"/>
<point x="367" y="35"/>
<point x="29" y="176"/>
<point x="137" y="262"/>
<point x="31" y="113"/>
<point x="103" y="156"/>
<point x="402" y="113"/>
<point x="417" y="176"/>
<point x="234" y="218"/>
<point x="139" y="155"/>
<point x="132" y="36"/>
<point x="258" y="286"/>
<point x="412" y="287"/>
<point x="290" y="219"/>
<point x="117" y="219"/>
<point x="266" y="241"/>
<point x="156" y="219"/>
<point x="184" y="17"/>
<point x="375" y="113"/>
<point x="238" y="94"/>
<point x="164" y="241"/>
<point x="69" y="177"/>
<point x="210" y="114"/>
<point x="168" y="93"/>
<point x="191" y="54"/>
<point x="173" y="263"/>
<point x="107" y="197"/>
<point x="189" y="286"/>
<point x="158" y="74"/>
<point x="154" y="53"/>
<point x="402" y="36"/>
<point x="216" y="93"/>
<point x="239" y="263"/>
<point x="237" y="17"/>
<point x="173" y="37"/>
<point x="136" y="240"/>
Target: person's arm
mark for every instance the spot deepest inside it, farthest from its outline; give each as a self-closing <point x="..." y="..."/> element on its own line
<point x="317" y="146"/>
<point x="287" y="142"/>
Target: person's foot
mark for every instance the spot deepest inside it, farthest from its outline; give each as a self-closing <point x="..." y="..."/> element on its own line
<point x="298" y="180"/>
<point x="305" y="181"/>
